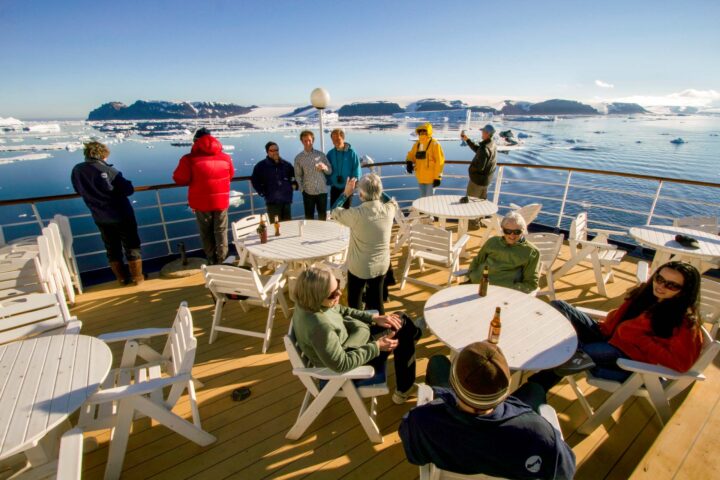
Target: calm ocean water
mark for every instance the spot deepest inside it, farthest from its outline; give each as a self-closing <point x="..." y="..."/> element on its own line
<point x="639" y="145"/>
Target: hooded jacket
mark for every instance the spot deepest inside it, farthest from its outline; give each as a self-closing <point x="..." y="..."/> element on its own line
<point x="104" y="190"/>
<point x="345" y="164"/>
<point x="512" y="266"/>
<point x="207" y="171"/>
<point x="431" y="167"/>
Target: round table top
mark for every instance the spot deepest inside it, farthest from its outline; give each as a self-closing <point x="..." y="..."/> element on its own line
<point x="534" y="335"/>
<point x="320" y="239"/>
<point x="662" y="237"/>
<point x="42" y="381"/>
<point x="449" y="206"/>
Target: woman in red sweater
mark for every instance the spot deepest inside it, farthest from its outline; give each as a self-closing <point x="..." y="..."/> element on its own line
<point x="657" y="324"/>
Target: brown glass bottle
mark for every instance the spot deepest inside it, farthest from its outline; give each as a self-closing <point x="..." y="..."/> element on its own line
<point x="262" y="230"/>
<point x="277" y="226"/>
<point x="495" y="326"/>
<point x="484" y="282"/>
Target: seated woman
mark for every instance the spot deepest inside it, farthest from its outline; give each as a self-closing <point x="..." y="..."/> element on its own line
<point x="657" y="324"/>
<point x="512" y="261"/>
<point x="342" y="338"/>
<point x="370" y="225"/>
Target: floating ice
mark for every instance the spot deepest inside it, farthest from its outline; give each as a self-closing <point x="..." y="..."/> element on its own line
<point x="236" y="198"/>
<point x="24" y="158"/>
<point x="678" y="141"/>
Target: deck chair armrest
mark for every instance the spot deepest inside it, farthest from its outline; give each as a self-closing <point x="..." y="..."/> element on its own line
<point x="549" y="414"/>
<point x="365" y="371"/>
<point x="142" y="388"/>
<point x="600" y="245"/>
<point x="276" y="278"/>
<point x="659" y="370"/>
<point x="463" y="272"/>
<point x="73" y="326"/>
<point x="460" y="244"/>
<point x="133" y="334"/>
<point x="604" y="231"/>
<point x="643" y="271"/>
<point x="70" y="457"/>
<point x="592" y="313"/>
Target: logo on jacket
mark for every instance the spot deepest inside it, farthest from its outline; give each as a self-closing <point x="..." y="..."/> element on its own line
<point x="533" y="464"/>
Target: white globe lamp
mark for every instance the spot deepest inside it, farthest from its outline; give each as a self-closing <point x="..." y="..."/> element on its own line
<point x="320" y="98"/>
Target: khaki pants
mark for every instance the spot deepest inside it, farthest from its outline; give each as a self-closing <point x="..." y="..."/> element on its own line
<point x="477" y="191"/>
<point x="213" y="233"/>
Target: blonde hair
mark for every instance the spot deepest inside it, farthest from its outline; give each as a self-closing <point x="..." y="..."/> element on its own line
<point x="370" y="187"/>
<point x="96" y="151"/>
<point x="338" y="131"/>
<point x="306" y="133"/>
<point x="312" y="287"/>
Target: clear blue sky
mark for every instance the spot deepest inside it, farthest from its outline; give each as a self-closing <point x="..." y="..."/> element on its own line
<point x="63" y="58"/>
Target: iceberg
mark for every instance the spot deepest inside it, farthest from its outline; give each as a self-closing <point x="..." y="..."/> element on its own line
<point x="24" y="158"/>
<point x="42" y="128"/>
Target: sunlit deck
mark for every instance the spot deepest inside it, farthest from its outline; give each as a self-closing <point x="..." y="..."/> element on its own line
<point x="251" y="434"/>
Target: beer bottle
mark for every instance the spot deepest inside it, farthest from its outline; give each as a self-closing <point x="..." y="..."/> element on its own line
<point x="277" y="226"/>
<point x="494" y="332"/>
<point x="484" y="282"/>
<point x="262" y="230"/>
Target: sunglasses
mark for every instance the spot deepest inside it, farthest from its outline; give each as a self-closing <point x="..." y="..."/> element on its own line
<point x="273" y="150"/>
<point x="421" y="131"/>
<point x="335" y="293"/>
<point x="660" y="280"/>
<point x="507" y="231"/>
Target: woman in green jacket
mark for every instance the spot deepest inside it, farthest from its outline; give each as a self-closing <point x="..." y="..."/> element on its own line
<point x="342" y="338"/>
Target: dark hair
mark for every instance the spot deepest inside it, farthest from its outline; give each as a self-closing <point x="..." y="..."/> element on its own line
<point x="669" y="314"/>
<point x="268" y="145"/>
<point x="307" y="133"/>
<point x="201" y="132"/>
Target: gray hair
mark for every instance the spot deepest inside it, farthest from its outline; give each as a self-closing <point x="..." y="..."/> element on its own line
<point x="515" y="218"/>
<point x="370" y="187"/>
<point x="312" y="287"/>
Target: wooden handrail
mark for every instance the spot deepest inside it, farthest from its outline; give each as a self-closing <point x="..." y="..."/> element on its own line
<point x="164" y="186"/>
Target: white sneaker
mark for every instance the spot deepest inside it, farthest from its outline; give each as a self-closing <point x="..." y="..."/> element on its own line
<point x="399" y="397"/>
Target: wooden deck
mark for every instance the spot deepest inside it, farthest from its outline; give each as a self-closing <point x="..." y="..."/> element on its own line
<point x="251" y="434"/>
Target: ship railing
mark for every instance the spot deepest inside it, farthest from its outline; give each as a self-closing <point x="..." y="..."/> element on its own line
<point x="163" y="213"/>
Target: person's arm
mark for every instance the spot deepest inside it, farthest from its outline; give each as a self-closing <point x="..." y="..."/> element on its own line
<point x="232" y="167"/>
<point x="473" y="146"/>
<point x="413" y="438"/>
<point x="678" y="352"/>
<point x="439" y="160"/>
<point x="530" y="275"/>
<point x="565" y="465"/>
<point x="361" y="315"/>
<point x="122" y="186"/>
<point x="299" y="174"/>
<point x="258" y="180"/>
<point x="328" y="348"/>
<point x="324" y="161"/>
<point x="475" y="270"/>
<point x="183" y="173"/>
<point x="357" y="171"/>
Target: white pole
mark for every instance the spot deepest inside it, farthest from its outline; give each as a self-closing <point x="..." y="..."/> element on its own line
<point x="467" y="119"/>
<point x="322" y="137"/>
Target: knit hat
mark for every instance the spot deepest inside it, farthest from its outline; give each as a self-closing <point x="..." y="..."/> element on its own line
<point x="200" y="132"/>
<point x="480" y="375"/>
<point x="489" y="129"/>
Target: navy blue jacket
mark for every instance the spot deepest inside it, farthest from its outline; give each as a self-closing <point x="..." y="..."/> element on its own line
<point x="104" y="190"/>
<point x="274" y="181"/>
<point x="512" y="441"/>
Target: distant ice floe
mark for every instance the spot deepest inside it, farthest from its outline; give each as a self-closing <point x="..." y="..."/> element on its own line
<point x="10" y="122"/>
<point x="24" y="158"/>
<point x="71" y="147"/>
<point x="236" y="198"/>
<point x="42" y="128"/>
<point x="228" y="148"/>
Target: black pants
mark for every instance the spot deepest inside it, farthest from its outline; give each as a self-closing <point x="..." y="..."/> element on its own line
<point x="118" y="236"/>
<point x="280" y="210"/>
<point x="373" y="294"/>
<point x="335" y="194"/>
<point x="312" y="202"/>
<point x="404" y="354"/>
<point x="213" y="233"/>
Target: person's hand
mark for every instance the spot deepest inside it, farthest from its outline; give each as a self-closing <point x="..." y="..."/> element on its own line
<point x="409" y="166"/>
<point x="436" y="183"/>
<point x="387" y="343"/>
<point x="295" y="185"/>
<point x="463" y="137"/>
<point x="350" y="186"/>
<point x="320" y="166"/>
<point x="392" y="321"/>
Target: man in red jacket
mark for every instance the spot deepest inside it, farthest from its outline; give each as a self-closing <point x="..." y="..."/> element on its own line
<point x="208" y="171"/>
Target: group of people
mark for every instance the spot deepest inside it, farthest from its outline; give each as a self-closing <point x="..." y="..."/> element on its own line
<point x="475" y="424"/>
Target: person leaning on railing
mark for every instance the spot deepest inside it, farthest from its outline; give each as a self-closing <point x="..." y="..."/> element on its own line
<point x="512" y="261"/>
<point x="105" y="192"/>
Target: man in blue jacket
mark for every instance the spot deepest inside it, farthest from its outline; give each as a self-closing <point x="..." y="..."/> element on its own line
<point x="345" y="164"/>
<point x="274" y="179"/>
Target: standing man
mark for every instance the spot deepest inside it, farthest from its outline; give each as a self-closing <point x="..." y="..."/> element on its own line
<point x="426" y="159"/>
<point x="274" y="179"/>
<point x="208" y="171"/>
<point x="105" y="192"/>
<point x="483" y="164"/>
<point x="345" y="164"/>
<point x="311" y="169"/>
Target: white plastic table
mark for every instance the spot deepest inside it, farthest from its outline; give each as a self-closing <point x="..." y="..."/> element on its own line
<point x="534" y="335"/>
<point x="320" y="239"/>
<point x="449" y="207"/>
<point x="662" y="239"/>
<point x="42" y="381"/>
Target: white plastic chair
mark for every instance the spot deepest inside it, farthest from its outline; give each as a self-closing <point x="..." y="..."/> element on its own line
<point x="405" y="223"/>
<point x="431" y="472"/>
<point x="434" y="246"/>
<point x="549" y="245"/>
<point x="63" y="224"/>
<point x="241" y="229"/>
<point x="528" y="212"/>
<point x="601" y="254"/>
<point x="656" y="383"/>
<point x="133" y="391"/>
<point x="338" y="385"/>
<point x="265" y="291"/>
<point x="35" y="314"/>
<point x="710" y="304"/>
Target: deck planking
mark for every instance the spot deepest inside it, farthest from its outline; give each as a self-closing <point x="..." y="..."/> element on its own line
<point x="251" y="434"/>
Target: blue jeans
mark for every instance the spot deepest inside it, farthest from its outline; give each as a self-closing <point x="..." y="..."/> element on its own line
<point x="426" y="189"/>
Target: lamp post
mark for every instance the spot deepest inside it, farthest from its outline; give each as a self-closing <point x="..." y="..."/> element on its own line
<point x="320" y="99"/>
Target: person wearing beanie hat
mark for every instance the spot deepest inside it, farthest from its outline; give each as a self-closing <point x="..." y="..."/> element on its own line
<point x="474" y="425"/>
<point x="207" y="171"/>
<point x="483" y="164"/>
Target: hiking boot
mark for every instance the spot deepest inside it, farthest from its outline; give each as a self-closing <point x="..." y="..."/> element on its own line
<point x="118" y="270"/>
<point x="579" y="362"/>
<point x="136" y="273"/>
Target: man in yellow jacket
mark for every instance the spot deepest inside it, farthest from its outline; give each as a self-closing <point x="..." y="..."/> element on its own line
<point x="426" y="159"/>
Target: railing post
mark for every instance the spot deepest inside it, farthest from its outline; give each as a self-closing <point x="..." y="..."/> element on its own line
<point x="252" y="201"/>
<point x="162" y="220"/>
<point x="36" y="213"/>
<point x="498" y="183"/>
<point x="655" y="200"/>
<point x="562" y="205"/>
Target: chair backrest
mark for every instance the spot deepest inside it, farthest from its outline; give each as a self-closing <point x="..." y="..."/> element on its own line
<point x="710" y="349"/>
<point x="31" y="315"/>
<point x="246" y="226"/>
<point x="578" y="228"/>
<point x="299" y="360"/>
<point x="710" y="303"/>
<point x="529" y="212"/>
<point x="549" y="245"/>
<point x="227" y="279"/>
<point x="430" y="239"/>
<point x="705" y="224"/>
<point x="63" y="224"/>
<point x="181" y="347"/>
